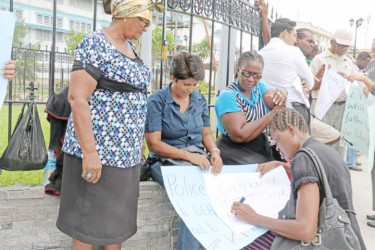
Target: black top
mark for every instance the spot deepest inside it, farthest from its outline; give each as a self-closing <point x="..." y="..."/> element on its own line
<point x="337" y="173"/>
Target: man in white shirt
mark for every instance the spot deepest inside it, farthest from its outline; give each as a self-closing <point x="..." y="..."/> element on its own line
<point x="285" y="66"/>
<point x="336" y="58"/>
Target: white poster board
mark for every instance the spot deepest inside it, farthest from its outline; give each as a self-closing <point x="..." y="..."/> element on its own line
<point x="332" y="86"/>
<point x="7" y="21"/>
<point x="187" y="192"/>
<point x="266" y="195"/>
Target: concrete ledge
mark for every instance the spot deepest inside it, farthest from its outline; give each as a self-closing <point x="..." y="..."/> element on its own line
<point x="28" y="216"/>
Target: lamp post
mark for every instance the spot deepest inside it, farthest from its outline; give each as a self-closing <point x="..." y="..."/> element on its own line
<point x="358" y="23"/>
<point x="186" y="45"/>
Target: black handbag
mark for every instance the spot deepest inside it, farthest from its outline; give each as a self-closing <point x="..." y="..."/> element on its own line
<point x="334" y="227"/>
<point x="26" y="149"/>
<point x="145" y="170"/>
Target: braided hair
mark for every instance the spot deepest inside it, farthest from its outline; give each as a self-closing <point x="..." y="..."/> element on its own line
<point x="285" y="117"/>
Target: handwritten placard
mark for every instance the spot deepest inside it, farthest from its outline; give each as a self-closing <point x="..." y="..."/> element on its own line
<point x="355" y="126"/>
<point x="332" y="86"/>
<point x="187" y="192"/>
<point x="266" y="195"/>
<point x="7" y="19"/>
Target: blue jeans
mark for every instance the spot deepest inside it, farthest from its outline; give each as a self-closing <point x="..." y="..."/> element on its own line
<point x="351" y="157"/>
<point x="185" y="239"/>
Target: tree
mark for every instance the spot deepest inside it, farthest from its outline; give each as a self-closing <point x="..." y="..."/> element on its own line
<point x="202" y="49"/>
<point x="74" y="38"/>
<point x="157" y="40"/>
<point x="20" y="31"/>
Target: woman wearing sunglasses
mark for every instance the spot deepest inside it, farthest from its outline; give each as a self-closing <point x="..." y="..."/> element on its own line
<point x="244" y="110"/>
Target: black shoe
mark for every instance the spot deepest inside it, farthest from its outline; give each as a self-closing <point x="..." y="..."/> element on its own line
<point x="370" y="217"/>
<point x="371" y="223"/>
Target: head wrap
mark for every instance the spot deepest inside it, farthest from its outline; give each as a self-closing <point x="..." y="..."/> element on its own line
<point x="132" y="8"/>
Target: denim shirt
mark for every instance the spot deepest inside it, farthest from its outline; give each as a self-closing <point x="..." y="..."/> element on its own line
<point x="177" y="129"/>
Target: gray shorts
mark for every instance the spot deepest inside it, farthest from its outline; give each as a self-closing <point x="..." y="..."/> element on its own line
<point x="104" y="213"/>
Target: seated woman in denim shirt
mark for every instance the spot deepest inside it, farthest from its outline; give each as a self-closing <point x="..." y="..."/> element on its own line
<point x="177" y="117"/>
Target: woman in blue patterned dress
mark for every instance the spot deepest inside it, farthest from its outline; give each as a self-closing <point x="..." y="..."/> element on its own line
<point x="243" y="112"/>
<point x="104" y="136"/>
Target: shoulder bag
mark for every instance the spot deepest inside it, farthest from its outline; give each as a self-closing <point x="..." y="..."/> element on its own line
<point x="334" y="227"/>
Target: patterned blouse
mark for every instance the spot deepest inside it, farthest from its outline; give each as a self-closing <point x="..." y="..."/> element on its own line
<point x="118" y="118"/>
<point x="232" y="100"/>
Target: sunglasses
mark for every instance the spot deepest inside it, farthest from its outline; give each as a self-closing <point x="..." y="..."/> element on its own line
<point x="145" y="21"/>
<point x="249" y="74"/>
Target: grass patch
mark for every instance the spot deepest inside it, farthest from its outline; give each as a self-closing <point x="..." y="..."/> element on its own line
<point x="28" y="178"/>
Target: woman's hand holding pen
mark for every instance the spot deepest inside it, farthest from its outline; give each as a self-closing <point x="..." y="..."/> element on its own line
<point x="244" y="212"/>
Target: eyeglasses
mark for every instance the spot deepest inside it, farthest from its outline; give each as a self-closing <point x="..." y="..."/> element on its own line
<point x="249" y="74"/>
<point x="342" y="46"/>
<point x="145" y="21"/>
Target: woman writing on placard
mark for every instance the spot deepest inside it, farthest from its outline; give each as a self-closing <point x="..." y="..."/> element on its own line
<point x="289" y="132"/>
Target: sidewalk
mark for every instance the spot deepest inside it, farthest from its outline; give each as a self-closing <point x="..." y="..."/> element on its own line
<point x="362" y="198"/>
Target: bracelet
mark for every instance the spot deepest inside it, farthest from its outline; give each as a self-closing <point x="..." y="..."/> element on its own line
<point x="317" y="79"/>
<point x="215" y="149"/>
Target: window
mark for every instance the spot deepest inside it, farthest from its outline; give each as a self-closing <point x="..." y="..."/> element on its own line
<point x="59" y="37"/>
<point x="43" y="35"/>
<point x="82" y="4"/>
<point x="19" y="15"/>
<point x="44" y="20"/>
<point x="59" y="22"/>
<point x="46" y="35"/>
<point x="80" y="26"/>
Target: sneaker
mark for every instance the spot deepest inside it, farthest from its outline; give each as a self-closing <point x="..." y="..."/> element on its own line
<point x="355" y="168"/>
<point x="358" y="163"/>
<point x="370" y="217"/>
<point x="371" y="223"/>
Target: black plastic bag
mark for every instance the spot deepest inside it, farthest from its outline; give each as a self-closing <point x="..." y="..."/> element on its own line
<point x="26" y="149"/>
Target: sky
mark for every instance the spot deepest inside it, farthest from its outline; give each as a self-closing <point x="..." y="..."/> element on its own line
<point x="331" y="15"/>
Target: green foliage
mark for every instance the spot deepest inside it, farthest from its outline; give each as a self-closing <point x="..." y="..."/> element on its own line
<point x="202" y="49"/>
<point x="25" y="61"/>
<point x="74" y="38"/>
<point x="20" y="32"/>
<point x="157" y="40"/>
<point x="29" y="178"/>
<point x="203" y="87"/>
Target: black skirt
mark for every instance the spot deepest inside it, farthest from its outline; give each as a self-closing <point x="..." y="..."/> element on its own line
<point x="253" y="152"/>
<point x="104" y="213"/>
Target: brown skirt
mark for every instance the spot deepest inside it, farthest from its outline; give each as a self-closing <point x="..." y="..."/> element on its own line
<point x="104" y="213"/>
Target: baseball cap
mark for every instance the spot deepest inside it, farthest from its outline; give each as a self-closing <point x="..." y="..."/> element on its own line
<point x="343" y="37"/>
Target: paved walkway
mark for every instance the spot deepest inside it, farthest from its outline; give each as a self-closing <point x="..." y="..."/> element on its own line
<point x="362" y="197"/>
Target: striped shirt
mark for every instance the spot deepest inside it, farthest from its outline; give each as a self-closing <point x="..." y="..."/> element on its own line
<point x="233" y="100"/>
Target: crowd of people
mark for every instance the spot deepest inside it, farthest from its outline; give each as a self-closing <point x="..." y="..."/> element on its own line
<point x="265" y="116"/>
